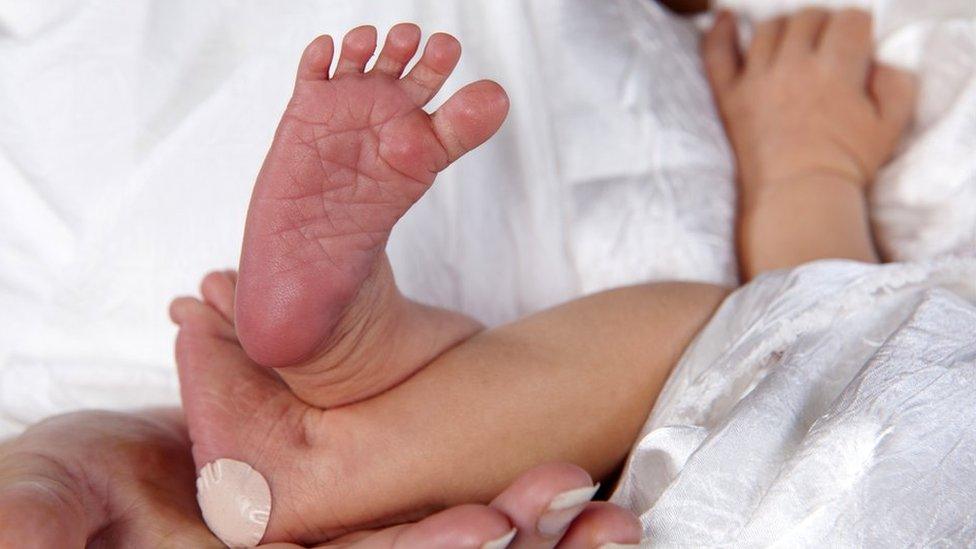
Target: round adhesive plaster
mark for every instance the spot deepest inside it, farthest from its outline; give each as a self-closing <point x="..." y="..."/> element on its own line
<point x="235" y="501"/>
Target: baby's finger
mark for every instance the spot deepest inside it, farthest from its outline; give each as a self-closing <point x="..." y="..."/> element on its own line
<point x="193" y="315"/>
<point x="802" y="32"/>
<point x="720" y="52"/>
<point x="894" y="92"/>
<point x="847" y="44"/>
<point x="765" y="43"/>
<point x="469" y="117"/>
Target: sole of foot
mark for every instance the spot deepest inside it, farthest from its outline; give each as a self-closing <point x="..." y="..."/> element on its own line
<point x="353" y="152"/>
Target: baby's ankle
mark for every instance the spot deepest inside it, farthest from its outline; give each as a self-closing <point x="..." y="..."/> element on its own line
<point x="382" y="339"/>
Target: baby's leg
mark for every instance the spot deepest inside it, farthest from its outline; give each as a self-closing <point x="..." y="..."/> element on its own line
<point x="574" y="384"/>
<point x="350" y="428"/>
<point x="811" y="119"/>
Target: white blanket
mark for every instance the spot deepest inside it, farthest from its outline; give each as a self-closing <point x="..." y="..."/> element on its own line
<point x="131" y="132"/>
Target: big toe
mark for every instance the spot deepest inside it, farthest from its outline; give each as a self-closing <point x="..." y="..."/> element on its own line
<point x="470" y="116"/>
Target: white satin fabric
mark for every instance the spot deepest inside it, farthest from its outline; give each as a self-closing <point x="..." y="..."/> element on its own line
<point x="833" y="405"/>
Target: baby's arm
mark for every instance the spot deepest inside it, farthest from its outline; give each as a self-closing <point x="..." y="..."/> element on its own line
<point x="811" y="119"/>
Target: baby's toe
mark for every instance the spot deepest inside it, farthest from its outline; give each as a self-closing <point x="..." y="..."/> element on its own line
<point x="720" y="52"/>
<point x="195" y="316"/>
<point x="401" y="45"/>
<point x="316" y="59"/>
<point x="217" y="289"/>
<point x="469" y="117"/>
<point x="357" y="47"/>
<point x="440" y="57"/>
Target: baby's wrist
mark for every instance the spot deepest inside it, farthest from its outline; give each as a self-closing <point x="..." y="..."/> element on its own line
<point x="803" y="220"/>
<point x="772" y="190"/>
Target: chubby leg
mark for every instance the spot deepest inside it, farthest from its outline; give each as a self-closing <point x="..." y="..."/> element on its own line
<point x="811" y="119"/>
<point x="570" y="384"/>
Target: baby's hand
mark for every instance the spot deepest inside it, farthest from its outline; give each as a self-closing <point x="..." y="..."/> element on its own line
<point x="806" y="101"/>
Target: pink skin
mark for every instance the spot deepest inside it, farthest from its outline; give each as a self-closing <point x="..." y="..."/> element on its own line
<point x="127" y="480"/>
<point x="305" y="452"/>
<point x="352" y="153"/>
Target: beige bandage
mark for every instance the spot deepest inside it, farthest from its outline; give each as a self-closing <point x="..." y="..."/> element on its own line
<point x="235" y="501"/>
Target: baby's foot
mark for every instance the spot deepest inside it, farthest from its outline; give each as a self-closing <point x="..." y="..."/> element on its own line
<point x="352" y="153"/>
<point x="335" y="471"/>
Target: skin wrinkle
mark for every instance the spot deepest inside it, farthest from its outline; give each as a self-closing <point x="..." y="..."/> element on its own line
<point x="43" y="482"/>
<point x="432" y="172"/>
<point x="310" y="232"/>
<point x="358" y="329"/>
<point x="416" y="80"/>
<point x="269" y="438"/>
<point x="362" y="180"/>
<point x="305" y="230"/>
<point x="81" y="478"/>
<point x="133" y="508"/>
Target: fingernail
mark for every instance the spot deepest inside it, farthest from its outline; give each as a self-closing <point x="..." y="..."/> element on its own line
<point x="563" y="509"/>
<point x="502" y="542"/>
<point x="619" y="546"/>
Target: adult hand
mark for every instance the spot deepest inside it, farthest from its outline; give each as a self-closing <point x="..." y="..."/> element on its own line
<point x="128" y="480"/>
